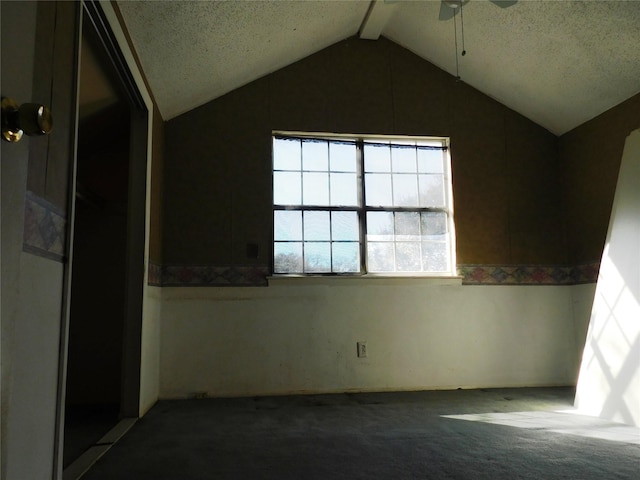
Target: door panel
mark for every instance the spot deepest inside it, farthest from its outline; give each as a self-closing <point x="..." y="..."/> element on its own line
<point x="32" y="280"/>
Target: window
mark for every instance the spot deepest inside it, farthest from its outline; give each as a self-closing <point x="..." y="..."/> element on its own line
<point x="362" y="205"/>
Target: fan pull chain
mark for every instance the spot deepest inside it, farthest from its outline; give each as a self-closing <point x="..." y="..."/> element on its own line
<point x="464" y="52"/>
<point x="455" y="36"/>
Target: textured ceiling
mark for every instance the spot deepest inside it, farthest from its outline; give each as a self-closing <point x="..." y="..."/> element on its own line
<point x="193" y="52"/>
<point x="559" y="63"/>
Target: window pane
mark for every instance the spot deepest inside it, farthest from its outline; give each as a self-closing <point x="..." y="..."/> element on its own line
<point x="286" y="188"/>
<point x="344" y="189"/>
<point x="346" y="257"/>
<point x="315" y="155"/>
<point x="407" y="226"/>
<point x="380" y="257"/>
<point x="430" y="161"/>
<point x="432" y="191"/>
<point x="286" y="154"/>
<point x="378" y="189"/>
<point x="287" y="257"/>
<point x="408" y="257"/>
<point x="316" y="226"/>
<point x="435" y="256"/>
<point x="342" y="157"/>
<point x="380" y="226"/>
<point x="403" y="159"/>
<point x="319" y="183"/>
<point x="405" y="190"/>
<point x="317" y="257"/>
<point x="315" y="188"/>
<point x="433" y="225"/>
<point x="344" y="226"/>
<point x="377" y="158"/>
<point x="287" y="225"/>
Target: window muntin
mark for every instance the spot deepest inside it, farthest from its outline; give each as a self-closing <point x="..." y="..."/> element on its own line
<point x="355" y="206"/>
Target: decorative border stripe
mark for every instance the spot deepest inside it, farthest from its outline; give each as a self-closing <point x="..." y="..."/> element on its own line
<point x="256" y="275"/>
<point x="155" y="275"/>
<point x="45" y="228"/>
<point x="587" y="273"/>
<point x="208" y="275"/>
<point x="528" y="274"/>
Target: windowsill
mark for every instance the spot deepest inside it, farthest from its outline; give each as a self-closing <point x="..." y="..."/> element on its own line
<point x="343" y="280"/>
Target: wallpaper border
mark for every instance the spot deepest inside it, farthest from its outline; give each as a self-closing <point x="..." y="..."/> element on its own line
<point x="256" y="275"/>
<point x="529" y="274"/>
<point x="208" y="275"/>
<point x="45" y="228"/>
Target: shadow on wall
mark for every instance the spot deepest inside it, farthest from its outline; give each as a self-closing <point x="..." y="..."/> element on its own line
<point x="609" y="381"/>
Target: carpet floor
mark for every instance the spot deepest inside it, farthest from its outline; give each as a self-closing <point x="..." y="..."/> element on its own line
<point x="463" y="434"/>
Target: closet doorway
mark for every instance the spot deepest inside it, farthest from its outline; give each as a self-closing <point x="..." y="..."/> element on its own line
<point x="105" y="301"/>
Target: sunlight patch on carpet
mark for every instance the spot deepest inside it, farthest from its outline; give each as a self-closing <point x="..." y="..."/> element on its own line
<point x="566" y="422"/>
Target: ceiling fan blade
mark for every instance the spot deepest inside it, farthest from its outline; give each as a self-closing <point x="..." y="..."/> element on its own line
<point x="504" y="3"/>
<point x="450" y="8"/>
<point x="446" y="12"/>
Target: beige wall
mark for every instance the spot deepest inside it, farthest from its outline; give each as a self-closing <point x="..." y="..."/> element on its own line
<point x="217" y="189"/>
<point x="299" y="336"/>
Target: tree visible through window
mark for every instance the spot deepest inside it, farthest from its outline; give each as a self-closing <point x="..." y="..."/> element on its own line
<point x="362" y="205"/>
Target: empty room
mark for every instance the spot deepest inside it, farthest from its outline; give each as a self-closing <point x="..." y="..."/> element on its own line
<point x="320" y="239"/>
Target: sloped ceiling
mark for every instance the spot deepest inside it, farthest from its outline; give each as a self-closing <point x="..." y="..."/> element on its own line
<point x="559" y="63"/>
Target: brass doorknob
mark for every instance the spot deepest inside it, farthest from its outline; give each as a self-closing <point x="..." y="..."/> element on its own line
<point x="28" y="118"/>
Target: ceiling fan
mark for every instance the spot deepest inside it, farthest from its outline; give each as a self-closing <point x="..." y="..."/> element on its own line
<point x="448" y="8"/>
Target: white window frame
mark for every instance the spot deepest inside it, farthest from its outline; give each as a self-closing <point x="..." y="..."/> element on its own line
<point x="363" y="209"/>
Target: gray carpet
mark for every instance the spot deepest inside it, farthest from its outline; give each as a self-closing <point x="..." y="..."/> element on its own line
<point x="363" y="436"/>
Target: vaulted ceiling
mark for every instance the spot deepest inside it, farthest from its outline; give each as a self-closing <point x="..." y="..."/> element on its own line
<point x="559" y="63"/>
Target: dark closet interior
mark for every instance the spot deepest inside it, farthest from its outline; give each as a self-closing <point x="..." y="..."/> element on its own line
<point x="98" y="294"/>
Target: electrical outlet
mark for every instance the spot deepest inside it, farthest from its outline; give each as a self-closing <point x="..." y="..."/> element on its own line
<point x="362" y="349"/>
